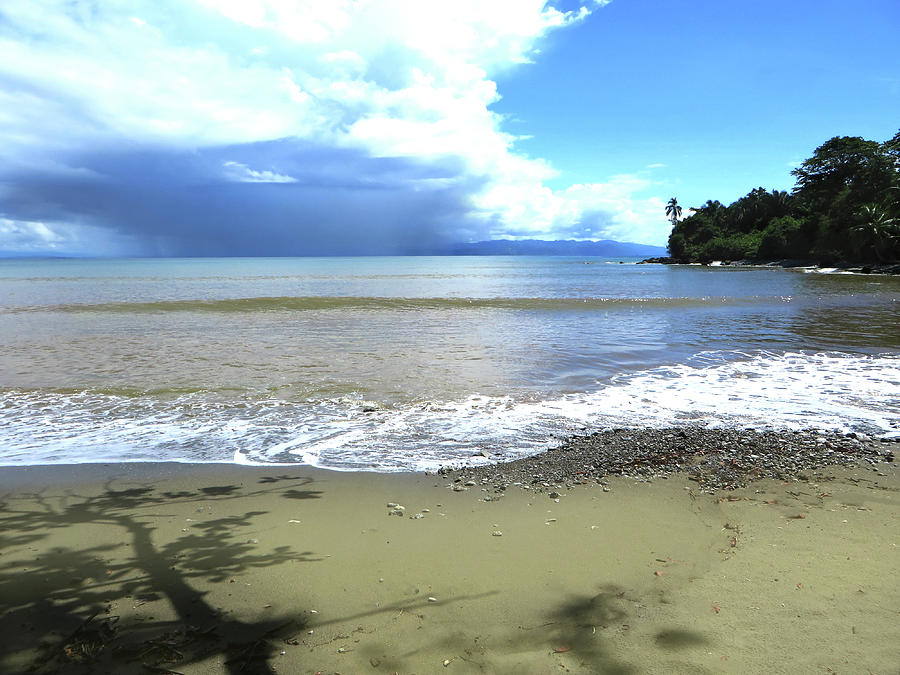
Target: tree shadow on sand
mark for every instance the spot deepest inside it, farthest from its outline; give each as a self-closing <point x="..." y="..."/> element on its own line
<point x="583" y="628"/>
<point x="56" y="612"/>
<point x="573" y="627"/>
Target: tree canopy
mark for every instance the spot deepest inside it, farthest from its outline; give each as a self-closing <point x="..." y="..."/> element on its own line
<point x="845" y="207"/>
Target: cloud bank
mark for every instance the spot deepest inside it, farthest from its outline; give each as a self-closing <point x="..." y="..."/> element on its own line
<point x="221" y="127"/>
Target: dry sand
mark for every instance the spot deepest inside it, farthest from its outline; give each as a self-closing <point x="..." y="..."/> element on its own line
<point x="212" y="569"/>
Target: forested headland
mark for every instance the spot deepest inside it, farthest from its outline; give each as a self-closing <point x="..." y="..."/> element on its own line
<point x="844" y="208"/>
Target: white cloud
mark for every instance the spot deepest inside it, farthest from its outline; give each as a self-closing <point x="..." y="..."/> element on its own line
<point x="241" y="173"/>
<point x="23" y="233"/>
<point x="393" y="78"/>
<point x="24" y="237"/>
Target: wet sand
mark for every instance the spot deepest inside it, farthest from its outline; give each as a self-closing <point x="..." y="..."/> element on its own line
<point x="215" y="568"/>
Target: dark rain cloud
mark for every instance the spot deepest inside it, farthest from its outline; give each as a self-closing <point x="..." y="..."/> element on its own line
<point x="296" y="198"/>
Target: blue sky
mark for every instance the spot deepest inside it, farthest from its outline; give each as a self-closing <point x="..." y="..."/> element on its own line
<point x="728" y="95"/>
<point x="221" y="127"/>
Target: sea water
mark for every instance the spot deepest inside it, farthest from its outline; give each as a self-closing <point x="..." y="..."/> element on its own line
<point x="409" y="363"/>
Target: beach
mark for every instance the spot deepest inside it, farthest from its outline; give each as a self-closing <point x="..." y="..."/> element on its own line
<point x="220" y="568"/>
<point x="436" y="464"/>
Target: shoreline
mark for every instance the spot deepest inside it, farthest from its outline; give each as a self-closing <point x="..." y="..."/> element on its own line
<point x="889" y="269"/>
<point x="211" y="568"/>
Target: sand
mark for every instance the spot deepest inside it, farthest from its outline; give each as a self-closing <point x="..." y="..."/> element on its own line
<point x="214" y="568"/>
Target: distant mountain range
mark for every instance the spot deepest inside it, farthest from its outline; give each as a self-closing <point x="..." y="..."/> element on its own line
<point x="605" y="248"/>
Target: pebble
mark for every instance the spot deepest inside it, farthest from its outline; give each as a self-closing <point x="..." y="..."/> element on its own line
<point x="496" y="533"/>
<point x="715" y="458"/>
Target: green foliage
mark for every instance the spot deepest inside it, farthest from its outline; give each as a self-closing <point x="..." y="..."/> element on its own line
<point x="844" y="207"/>
<point x="877" y="233"/>
<point x="892" y="149"/>
<point x="731" y="247"/>
<point x="677" y="245"/>
<point x="785" y="237"/>
<point x="845" y="164"/>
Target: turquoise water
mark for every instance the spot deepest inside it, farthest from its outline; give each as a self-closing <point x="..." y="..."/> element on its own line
<point x="408" y="363"/>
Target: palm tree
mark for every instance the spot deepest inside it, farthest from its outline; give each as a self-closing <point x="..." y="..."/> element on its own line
<point x="877" y="232"/>
<point x="673" y="211"/>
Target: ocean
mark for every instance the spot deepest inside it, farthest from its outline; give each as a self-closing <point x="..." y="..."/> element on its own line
<point x="410" y="363"/>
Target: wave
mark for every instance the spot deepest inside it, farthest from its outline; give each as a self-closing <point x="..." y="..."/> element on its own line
<point x="763" y="390"/>
<point x="318" y="303"/>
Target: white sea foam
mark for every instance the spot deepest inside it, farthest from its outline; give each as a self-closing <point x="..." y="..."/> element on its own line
<point x="835" y="391"/>
<point x="764" y="390"/>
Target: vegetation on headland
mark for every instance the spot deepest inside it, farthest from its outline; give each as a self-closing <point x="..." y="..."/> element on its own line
<point x="844" y="208"/>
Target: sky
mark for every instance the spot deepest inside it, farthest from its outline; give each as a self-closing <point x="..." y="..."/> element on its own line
<point x="225" y="127"/>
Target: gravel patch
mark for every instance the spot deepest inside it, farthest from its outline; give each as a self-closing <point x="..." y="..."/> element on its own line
<point x="716" y="458"/>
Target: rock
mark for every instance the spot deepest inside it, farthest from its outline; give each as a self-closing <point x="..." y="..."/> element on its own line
<point x="397" y="511"/>
<point x="496" y="533"/>
<point x="553" y="495"/>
